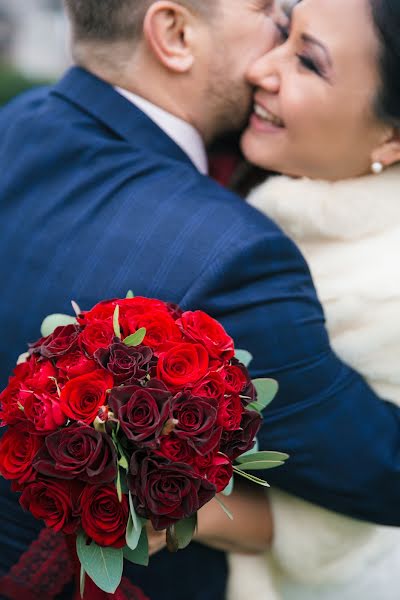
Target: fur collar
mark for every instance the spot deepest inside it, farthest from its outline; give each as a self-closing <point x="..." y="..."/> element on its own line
<point x="348" y="209"/>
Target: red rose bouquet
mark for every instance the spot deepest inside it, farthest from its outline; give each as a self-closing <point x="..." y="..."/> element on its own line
<point x="132" y="411"/>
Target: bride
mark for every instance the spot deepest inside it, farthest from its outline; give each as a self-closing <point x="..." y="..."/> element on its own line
<point x="327" y="117"/>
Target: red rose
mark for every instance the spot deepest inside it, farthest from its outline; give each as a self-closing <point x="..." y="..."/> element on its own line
<point x="200" y="327"/>
<point x="82" y="397"/>
<point x="142" y="412"/>
<point x="53" y="501"/>
<point x="104" y="517"/>
<point x="44" y="411"/>
<point x="220" y="472"/>
<point x="126" y="364"/>
<point x="61" y="341"/>
<point x="42" y="375"/>
<point x="102" y="311"/>
<point x="166" y="492"/>
<point x="78" y="452"/>
<point x="175" y="449"/>
<point x="183" y="365"/>
<point x="195" y="419"/>
<point x="96" y="335"/>
<point x="12" y="400"/>
<point x="211" y="386"/>
<point x="230" y="412"/>
<point x="17" y="450"/>
<point x="161" y="329"/>
<point x="75" y="364"/>
<point x="236" y="378"/>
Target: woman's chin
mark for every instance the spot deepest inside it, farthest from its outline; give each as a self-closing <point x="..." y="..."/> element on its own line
<point x="258" y="153"/>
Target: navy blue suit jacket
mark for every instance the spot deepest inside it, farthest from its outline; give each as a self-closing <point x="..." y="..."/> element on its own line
<point x="94" y="200"/>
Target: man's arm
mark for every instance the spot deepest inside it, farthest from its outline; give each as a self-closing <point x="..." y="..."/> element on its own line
<point x="343" y="440"/>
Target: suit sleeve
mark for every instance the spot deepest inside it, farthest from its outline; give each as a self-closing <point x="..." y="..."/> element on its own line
<point x="343" y="440"/>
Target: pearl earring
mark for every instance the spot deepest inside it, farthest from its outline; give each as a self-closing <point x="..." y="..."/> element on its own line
<point x="377" y="168"/>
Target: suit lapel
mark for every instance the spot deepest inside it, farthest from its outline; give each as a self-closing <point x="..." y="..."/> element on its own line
<point x="99" y="99"/>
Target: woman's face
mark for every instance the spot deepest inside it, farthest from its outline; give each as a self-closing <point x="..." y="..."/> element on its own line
<point x="313" y="113"/>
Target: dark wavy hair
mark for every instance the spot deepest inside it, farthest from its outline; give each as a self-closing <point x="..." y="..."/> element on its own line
<point x="386" y="17"/>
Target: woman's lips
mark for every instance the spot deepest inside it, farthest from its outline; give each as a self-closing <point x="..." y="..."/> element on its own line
<point x="264" y="120"/>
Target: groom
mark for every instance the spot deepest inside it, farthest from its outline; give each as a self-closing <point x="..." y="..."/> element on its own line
<point x="103" y="189"/>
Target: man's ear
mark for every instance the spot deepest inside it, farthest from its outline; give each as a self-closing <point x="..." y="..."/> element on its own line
<point x="167" y="29"/>
<point x="388" y="153"/>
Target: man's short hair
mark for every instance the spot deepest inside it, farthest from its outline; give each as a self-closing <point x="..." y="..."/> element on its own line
<point x="116" y="20"/>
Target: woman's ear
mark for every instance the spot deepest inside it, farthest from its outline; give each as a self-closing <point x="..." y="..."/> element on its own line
<point x="388" y="153"/>
<point x="167" y="29"/>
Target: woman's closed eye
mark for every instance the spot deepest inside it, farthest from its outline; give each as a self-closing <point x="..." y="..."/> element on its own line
<point x="309" y="64"/>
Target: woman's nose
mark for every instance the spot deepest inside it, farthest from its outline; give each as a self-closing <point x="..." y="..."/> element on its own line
<point x="263" y="74"/>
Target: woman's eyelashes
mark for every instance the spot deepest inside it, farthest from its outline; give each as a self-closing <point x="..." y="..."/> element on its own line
<point x="309" y="64"/>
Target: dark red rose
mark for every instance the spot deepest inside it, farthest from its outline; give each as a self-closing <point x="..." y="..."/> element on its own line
<point x="211" y="386"/>
<point x="183" y="365"/>
<point x="104" y="517"/>
<point x="18" y="448"/>
<point x="176" y="449"/>
<point x="161" y="329"/>
<point x="75" y="364"/>
<point x="61" y="341"/>
<point x="96" y="335"/>
<point x="55" y="502"/>
<point x="196" y="421"/>
<point x="82" y="397"/>
<point x="174" y="310"/>
<point x="230" y="412"/>
<point x="236" y="378"/>
<point x="166" y="492"/>
<point x="249" y="394"/>
<point x="200" y="327"/>
<point x="44" y="411"/>
<point x="220" y="472"/>
<point x="78" y="452"/>
<point x="141" y="411"/>
<point x="235" y="443"/>
<point x="126" y="364"/>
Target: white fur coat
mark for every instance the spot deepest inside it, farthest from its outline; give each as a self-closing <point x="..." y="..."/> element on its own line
<point x="349" y="232"/>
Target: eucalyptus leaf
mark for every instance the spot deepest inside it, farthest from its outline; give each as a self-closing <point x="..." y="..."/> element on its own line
<point x="139" y="556"/>
<point x="102" y="564"/>
<point x="263" y="455"/>
<point x="130" y="294"/>
<point x="224" y="508"/>
<point x="51" y="322"/>
<point x="76" y="307"/>
<point x="266" y="390"/>
<point x="229" y="488"/>
<point x="136" y="338"/>
<point x="251" y="478"/>
<point x="22" y="358"/>
<point x="260" y="465"/>
<point x="82" y="582"/>
<point x="256" y="406"/>
<point x="123" y="462"/>
<point x="117" y="328"/>
<point x="244" y="357"/>
<point x="118" y="485"/>
<point x="184" y="531"/>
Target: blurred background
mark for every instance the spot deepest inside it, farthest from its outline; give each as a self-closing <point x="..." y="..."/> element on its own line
<point x="33" y="44"/>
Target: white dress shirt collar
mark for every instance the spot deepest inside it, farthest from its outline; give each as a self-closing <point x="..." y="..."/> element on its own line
<point x="183" y="134"/>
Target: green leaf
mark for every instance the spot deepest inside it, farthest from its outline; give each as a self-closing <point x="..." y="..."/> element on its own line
<point x="260" y="465"/>
<point x="224" y="508"/>
<point x="229" y="488"/>
<point x="184" y="531"/>
<point x="266" y="391"/>
<point x="134" y="527"/>
<point x="251" y="478"/>
<point x="244" y="357"/>
<point x="136" y="338"/>
<point x="130" y="294"/>
<point x="51" y="322"/>
<point x="264" y="455"/>
<point x="118" y="485"/>
<point x="139" y="556"/>
<point x="102" y="564"/>
<point x="123" y="462"/>
<point x="76" y="307"/>
<point x="256" y="406"/>
<point x="117" y="328"/>
<point x="22" y="358"/>
<point x="82" y="581"/>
